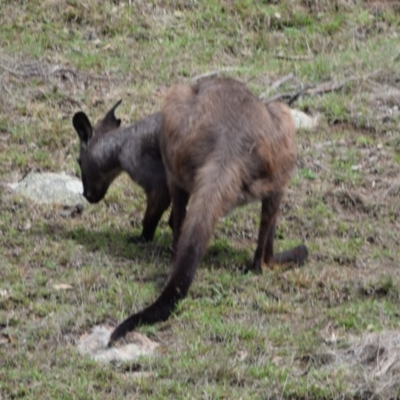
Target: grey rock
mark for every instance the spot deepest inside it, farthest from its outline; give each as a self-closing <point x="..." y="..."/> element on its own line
<point x="49" y="187"/>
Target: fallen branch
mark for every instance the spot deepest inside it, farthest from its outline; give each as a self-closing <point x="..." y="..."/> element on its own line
<point x="312" y="90"/>
<point x="277" y="84"/>
<point x="288" y="98"/>
<point x="297" y="94"/>
<point x="327" y="87"/>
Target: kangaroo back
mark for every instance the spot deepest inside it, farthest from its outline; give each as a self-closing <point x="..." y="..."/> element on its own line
<point x="222" y="147"/>
<point x="224" y="122"/>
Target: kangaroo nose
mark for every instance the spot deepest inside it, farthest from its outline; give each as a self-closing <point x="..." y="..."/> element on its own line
<point x="88" y="196"/>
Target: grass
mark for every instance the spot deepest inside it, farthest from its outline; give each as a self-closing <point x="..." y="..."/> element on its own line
<point x="236" y="335"/>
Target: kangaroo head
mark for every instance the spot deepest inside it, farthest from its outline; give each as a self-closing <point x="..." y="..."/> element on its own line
<point x="96" y="178"/>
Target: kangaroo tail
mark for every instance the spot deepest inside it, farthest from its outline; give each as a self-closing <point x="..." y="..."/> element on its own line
<point x="212" y="199"/>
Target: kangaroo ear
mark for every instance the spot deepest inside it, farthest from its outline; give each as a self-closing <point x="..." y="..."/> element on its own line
<point x="82" y="126"/>
<point x="109" y="122"/>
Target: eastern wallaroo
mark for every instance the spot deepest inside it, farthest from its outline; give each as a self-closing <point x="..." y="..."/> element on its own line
<point x="106" y="150"/>
<point x="224" y="148"/>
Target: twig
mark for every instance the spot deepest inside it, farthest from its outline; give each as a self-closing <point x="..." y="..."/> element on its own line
<point x="328" y="87"/>
<point x="58" y="69"/>
<point x="296" y="95"/>
<point x="277" y="97"/>
<point x="288" y="98"/>
<point x="55" y="70"/>
<point x="333" y="87"/>
<point x="7" y="90"/>
<point x="9" y="70"/>
<point x="277" y="84"/>
<point x="62" y="70"/>
<point x="322" y="88"/>
<point x="281" y="56"/>
<point x="211" y="74"/>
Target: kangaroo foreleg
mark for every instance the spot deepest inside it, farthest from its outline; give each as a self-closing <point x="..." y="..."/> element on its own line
<point x="157" y="203"/>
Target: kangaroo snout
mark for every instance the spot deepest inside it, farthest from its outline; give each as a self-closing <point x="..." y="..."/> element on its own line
<point x="90" y="197"/>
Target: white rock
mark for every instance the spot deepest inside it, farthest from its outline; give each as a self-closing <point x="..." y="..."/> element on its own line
<point x="49" y="187"/>
<point x="304" y="121"/>
<point x="94" y="345"/>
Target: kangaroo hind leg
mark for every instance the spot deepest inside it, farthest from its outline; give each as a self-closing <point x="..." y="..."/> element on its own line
<point x="295" y="256"/>
<point x="266" y="234"/>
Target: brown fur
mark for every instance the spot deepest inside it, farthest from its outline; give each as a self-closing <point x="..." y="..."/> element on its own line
<point x="222" y="147"/>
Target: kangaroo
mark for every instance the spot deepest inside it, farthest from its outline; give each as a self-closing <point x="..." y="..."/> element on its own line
<point x="223" y="147"/>
<point x="106" y="150"/>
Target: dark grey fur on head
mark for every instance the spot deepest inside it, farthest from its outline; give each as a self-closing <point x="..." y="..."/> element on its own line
<point x="106" y="150"/>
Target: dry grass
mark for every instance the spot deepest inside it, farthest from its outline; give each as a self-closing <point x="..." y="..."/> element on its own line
<point x="310" y="333"/>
